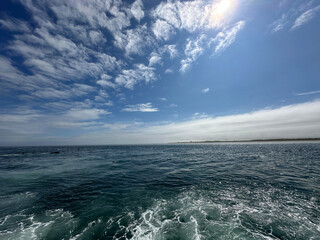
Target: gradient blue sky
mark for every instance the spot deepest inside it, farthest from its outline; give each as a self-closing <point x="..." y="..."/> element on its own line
<point x="117" y="72"/>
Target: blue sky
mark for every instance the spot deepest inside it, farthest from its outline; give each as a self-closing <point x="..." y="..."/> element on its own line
<point x="117" y="72"/>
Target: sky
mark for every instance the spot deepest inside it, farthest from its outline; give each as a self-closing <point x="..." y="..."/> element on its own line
<point x="144" y="71"/>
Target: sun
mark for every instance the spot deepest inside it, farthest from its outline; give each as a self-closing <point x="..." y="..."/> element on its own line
<point x="223" y="6"/>
<point x="220" y="11"/>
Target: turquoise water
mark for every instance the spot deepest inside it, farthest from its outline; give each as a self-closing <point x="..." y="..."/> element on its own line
<point x="200" y="191"/>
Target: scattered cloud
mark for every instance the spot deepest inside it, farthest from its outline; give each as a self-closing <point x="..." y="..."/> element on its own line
<point x="137" y="10"/>
<point x="97" y="37"/>
<point x="198" y="115"/>
<point x="154" y="59"/>
<point x="41" y="125"/>
<point x="109" y="103"/>
<point x="134" y="41"/>
<point x="85" y="114"/>
<point x="206" y="90"/>
<point x="105" y="81"/>
<point x="173" y="105"/>
<point x="74" y="59"/>
<point x="68" y="91"/>
<point x="194" y="15"/>
<point x="15" y="25"/>
<point x="226" y="37"/>
<point x="142" y="107"/>
<point x="168" y="71"/>
<point x="193" y="50"/>
<point x="294" y="14"/>
<point x="305" y="17"/>
<point x="91" y="41"/>
<point x="129" y="78"/>
<point x="162" y="30"/>
<point x="102" y="96"/>
<point x="172" y="50"/>
<point x="163" y="99"/>
<point x="280" y="23"/>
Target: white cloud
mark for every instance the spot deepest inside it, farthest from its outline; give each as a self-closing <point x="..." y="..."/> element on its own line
<point x="66" y="92"/>
<point x="97" y="37"/>
<point x="137" y="10"/>
<point x="168" y="71"/>
<point x="226" y="37"/>
<point x="102" y="96"/>
<point x="63" y="48"/>
<point x="192" y="51"/>
<point x="39" y="125"/>
<point x="122" y="126"/>
<point x="15" y="25"/>
<point x="198" y="115"/>
<point x="85" y="114"/>
<point x="105" y="81"/>
<point x="134" y="41"/>
<point x="173" y="105"/>
<point x="129" y="78"/>
<point x="68" y="46"/>
<point x="143" y="107"/>
<point x="108" y="103"/>
<point x="92" y="13"/>
<point x="154" y="59"/>
<point x="294" y="13"/>
<point x="162" y="30"/>
<point x="307" y="93"/>
<point x="168" y="11"/>
<point x="280" y="23"/>
<point x="193" y="15"/>
<point x="163" y="99"/>
<point x="170" y="49"/>
<point x="305" y="17"/>
<point x="57" y="57"/>
<point x="8" y="72"/>
<point x="206" y="90"/>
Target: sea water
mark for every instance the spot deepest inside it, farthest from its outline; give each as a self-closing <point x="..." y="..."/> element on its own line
<point x="187" y="191"/>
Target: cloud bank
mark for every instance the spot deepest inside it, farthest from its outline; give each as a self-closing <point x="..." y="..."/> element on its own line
<point x="291" y="121"/>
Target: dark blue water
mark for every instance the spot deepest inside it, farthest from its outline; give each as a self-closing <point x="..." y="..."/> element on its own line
<point x="200" y="191"/>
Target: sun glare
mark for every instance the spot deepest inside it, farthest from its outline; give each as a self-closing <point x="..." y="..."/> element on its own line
<point x="223" y="6"/>
<point x="220" y="11"/>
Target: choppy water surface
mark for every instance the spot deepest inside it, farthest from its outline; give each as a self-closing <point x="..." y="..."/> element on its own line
<point x="200" y="191"/>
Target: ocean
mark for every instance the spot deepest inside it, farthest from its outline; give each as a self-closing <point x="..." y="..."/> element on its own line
<point x="179" y="191"/>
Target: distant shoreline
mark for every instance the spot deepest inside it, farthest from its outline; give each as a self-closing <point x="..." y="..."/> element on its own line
<point x="254" y="140"/>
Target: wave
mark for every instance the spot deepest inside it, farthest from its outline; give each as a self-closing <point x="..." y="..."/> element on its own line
<point x="230" y="213"/>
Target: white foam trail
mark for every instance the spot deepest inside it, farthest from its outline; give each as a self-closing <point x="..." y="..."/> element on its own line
<point x="89" y="226"/>
<point x="34" y="227"/>
<point x="199" y="215"/>
<point x="196" y="234"/>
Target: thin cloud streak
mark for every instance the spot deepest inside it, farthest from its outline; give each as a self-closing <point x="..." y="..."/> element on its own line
<point x="305" y="17"/>
<point x="142" y="107"/>
<point x="206" y="90"/>
<point x="307" y="93"/>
